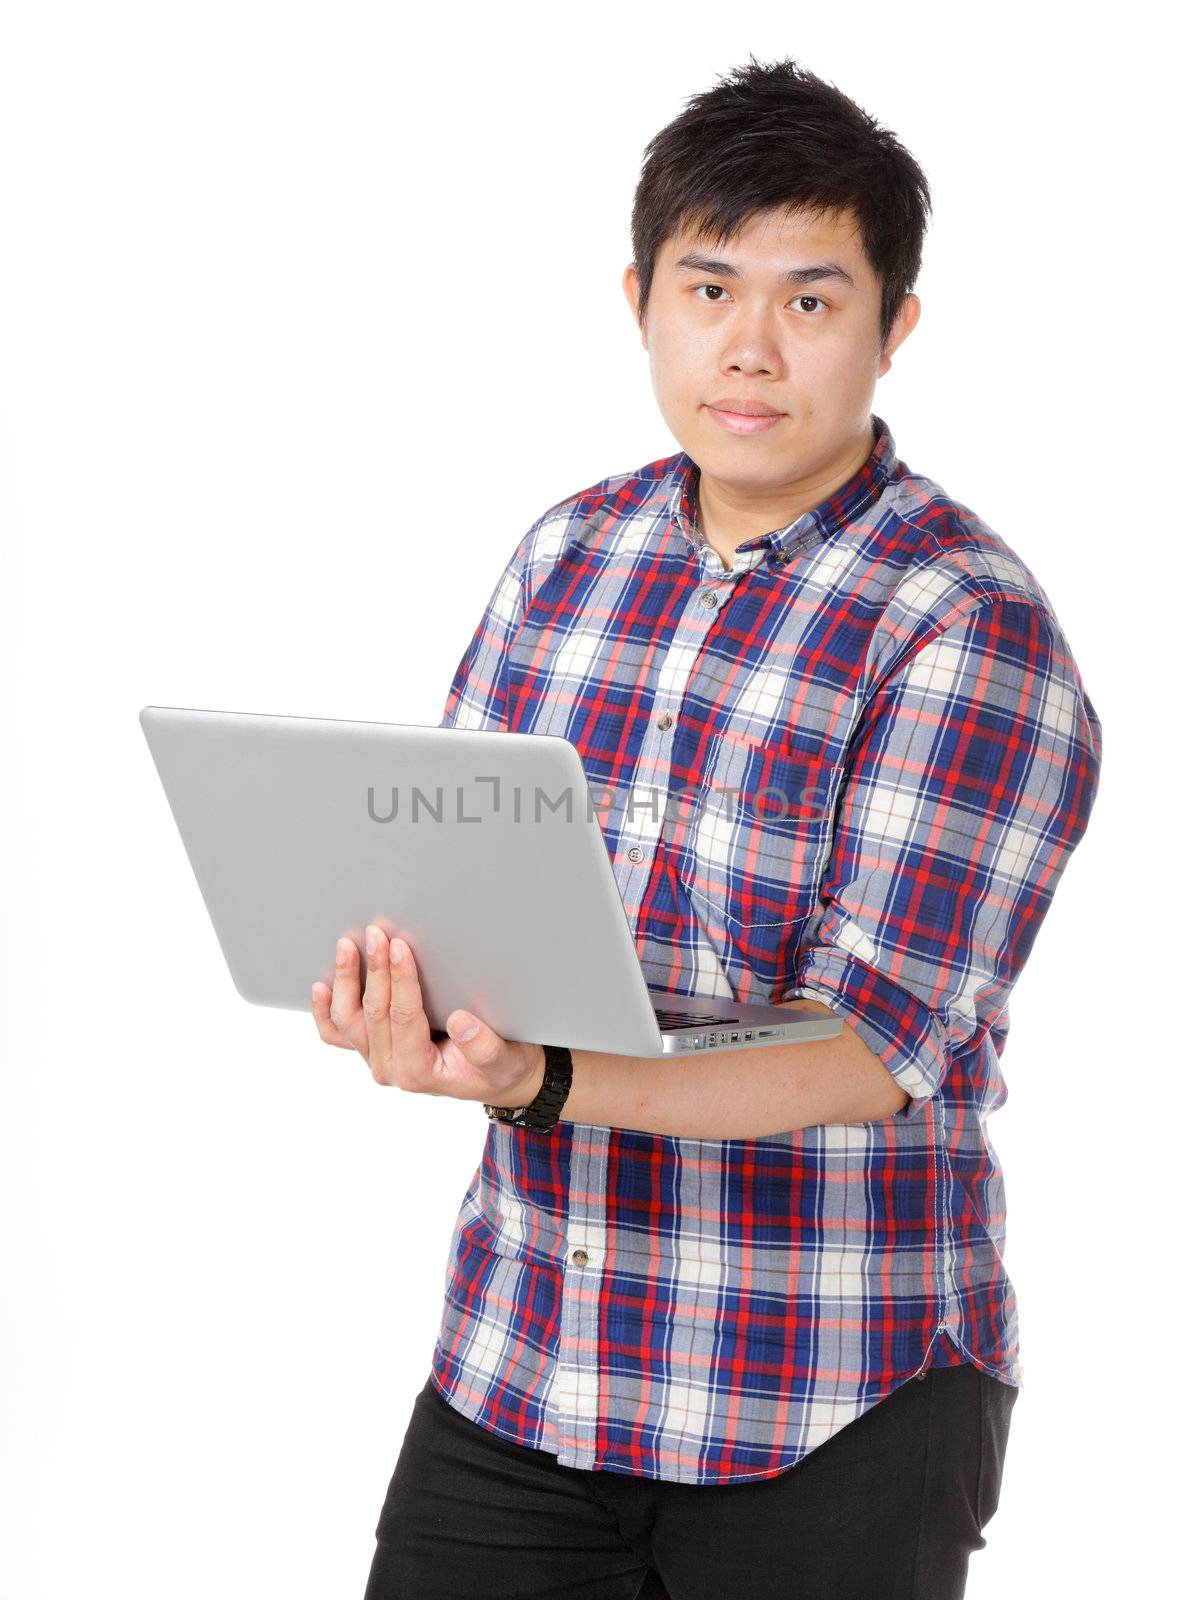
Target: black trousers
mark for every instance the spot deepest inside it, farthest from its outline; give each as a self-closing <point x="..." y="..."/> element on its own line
<point x="889" y="1508"/>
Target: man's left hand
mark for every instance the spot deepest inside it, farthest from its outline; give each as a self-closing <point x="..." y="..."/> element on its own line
<point x="388" y="1026"/>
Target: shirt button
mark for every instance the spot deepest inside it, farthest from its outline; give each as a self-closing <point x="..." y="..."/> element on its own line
<point x="782" y="557"/>
<point x="579" y="1258"/>
<point x="708" y="599"/>
<point x="634" y="853"/>
<point x="664" y="720"/>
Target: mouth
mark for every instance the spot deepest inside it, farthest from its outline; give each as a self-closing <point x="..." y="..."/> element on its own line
<point x="736" y="422"/>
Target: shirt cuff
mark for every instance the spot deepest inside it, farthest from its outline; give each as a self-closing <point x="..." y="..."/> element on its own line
<point x="901" y="1031"/>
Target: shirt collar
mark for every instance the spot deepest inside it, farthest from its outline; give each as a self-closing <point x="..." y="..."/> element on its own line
<point x="840" y="508"/>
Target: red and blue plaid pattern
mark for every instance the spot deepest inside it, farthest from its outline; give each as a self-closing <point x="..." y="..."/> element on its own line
<point x="852" y="765"/>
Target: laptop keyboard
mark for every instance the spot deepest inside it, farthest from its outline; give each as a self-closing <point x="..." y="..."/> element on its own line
<point x="686" y="1019"/>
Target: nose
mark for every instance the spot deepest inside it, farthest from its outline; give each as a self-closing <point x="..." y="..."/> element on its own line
<point x="753" y="348"/>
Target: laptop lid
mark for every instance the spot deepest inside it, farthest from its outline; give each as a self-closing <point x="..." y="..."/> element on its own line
<point x="482" y="847"/>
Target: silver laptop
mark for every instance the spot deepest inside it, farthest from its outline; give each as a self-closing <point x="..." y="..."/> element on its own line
<point x="482" y="848"/>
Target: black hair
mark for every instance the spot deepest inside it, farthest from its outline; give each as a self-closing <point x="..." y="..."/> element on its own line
<point x="777" y="136"/>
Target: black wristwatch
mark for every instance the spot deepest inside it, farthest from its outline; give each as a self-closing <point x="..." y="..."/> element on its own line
<point x="544" y="1111"/>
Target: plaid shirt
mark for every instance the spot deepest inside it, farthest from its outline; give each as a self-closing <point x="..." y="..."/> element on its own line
<point x="892" y="757"/>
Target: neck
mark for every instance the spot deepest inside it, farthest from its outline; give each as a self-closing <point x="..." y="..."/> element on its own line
<point x="728" y="517"/>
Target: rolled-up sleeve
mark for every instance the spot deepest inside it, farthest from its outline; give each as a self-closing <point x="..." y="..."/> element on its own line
<point x="969" y="781"/>
<point x="477" y="696"/>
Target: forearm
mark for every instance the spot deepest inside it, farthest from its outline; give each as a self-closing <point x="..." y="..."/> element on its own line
<point x="735" y="1094"/>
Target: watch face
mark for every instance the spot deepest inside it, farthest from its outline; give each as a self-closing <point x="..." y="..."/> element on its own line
<point x="511" y="1115"/>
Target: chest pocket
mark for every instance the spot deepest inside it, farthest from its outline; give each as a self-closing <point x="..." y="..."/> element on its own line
<point x="754" y="841"/>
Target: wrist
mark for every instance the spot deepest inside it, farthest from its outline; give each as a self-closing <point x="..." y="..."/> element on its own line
<point x="526" y="1090"/>
<point x="537" y="1103"/>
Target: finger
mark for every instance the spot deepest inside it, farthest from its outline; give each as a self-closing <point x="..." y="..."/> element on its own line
<point x="345" y="1011"/>
<point x="415" y="1055"/>
<point x="376" y="1000"/>
<point x="321" y="1015"/>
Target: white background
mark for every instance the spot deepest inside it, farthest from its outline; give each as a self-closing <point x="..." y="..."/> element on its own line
<point x="307" y="312"/>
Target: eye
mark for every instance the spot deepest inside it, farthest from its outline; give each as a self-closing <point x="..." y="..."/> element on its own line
<point x="817" y="305"/>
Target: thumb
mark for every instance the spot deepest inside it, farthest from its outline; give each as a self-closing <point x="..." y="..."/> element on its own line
<point x="463" y="1028"/>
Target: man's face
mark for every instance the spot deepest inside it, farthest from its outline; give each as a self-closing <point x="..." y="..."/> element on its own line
<point x="809" y="348"/>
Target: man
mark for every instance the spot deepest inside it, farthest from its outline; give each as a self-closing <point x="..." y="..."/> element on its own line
<point x="684" y="1313"/>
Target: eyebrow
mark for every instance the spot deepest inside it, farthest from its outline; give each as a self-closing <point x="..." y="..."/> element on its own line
<point x="694" y="262"/>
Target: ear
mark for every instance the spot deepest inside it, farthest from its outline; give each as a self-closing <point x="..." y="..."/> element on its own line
<point x="631" y="287"/>
<point x="908" y="315"/>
